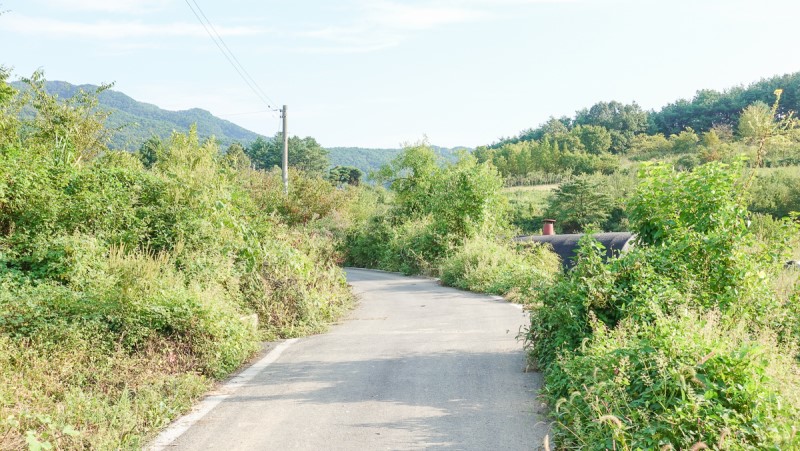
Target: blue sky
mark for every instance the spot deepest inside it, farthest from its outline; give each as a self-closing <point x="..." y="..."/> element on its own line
<point x="379" y="73"/>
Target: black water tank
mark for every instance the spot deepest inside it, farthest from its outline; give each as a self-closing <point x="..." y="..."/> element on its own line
<point x="565" y="245"/>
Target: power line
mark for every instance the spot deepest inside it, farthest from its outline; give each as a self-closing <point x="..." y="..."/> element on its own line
<point x="229" y="55"/>
<point x="264" y="94"/>
<point x="246" y="113"/>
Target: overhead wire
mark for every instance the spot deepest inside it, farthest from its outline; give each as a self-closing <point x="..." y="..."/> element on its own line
<point x="233" y="55"/>
<point x="244" y="113"/>
<point x="230" y="56"/>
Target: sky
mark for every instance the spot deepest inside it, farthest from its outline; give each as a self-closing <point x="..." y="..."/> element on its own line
<point x="382" y="73"/>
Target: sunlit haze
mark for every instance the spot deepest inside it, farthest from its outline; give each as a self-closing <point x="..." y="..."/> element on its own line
<point x="379" y="73"/>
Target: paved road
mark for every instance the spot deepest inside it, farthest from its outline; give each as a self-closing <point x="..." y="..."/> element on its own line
<point x="415" y="366"/>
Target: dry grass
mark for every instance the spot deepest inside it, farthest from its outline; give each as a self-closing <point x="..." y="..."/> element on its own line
<point x="81" y="397"/>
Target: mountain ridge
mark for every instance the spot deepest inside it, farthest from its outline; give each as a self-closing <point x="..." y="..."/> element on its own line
<point x="134" y="122"/>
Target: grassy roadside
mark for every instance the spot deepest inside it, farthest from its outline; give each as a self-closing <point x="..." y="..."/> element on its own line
<point x="126" y="280"/>
<point x="688" y="341"/>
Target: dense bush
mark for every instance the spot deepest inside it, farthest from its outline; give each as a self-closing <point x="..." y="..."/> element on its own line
<point x="776" y="193"/>
<point x="497" y="266"/>
<point x="451" y="221"/>
<point x="674" y="383"/>
<point x="675" y="342"/>
<point x="434" y="208"/>
<point x="153" y="271"/>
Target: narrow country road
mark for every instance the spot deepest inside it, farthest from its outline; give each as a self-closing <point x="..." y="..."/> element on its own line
<point x="414" y="366"/>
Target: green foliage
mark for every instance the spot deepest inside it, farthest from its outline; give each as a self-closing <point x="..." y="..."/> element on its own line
<point x="150" y="264"/>
<point x="310" y="200"/>
<point x="776" y="193"/>
<point x="6" y="91"/>
<point x="411" y="177"/>
<point x="150" y="151"/>
<point x="494" y="266"/>
<point x="449" y="220"/>
<point x="74" y="129"/>
<point x="345" y="175"/>
<point x="131" y="123"/>
<point x="709" y="108"/>
<point x="579" y="203"/>
<point x="622" y="121"/>
<point x="673" y="383"/>
<point x="526" y="207"/>
<point x="595" y="139"/>
<point x="673" y="343"/>
<point x="434" y="207"/>
<point x="305" y="154"/>
<point x="562" y="154"/>
<point x="410" y="247"/>
<point x="755" y="121"/>
<point x="236" y="157"/>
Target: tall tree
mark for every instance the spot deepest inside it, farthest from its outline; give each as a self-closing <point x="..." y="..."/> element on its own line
<point x="595" y="138"/>
<point x="345" y="175"/>
<point x="621" y="120"/>
<point x="578" y="203"/>
<point x="305" y="154"/>
<point x="236" y="157"/>
<point x="150" y="151"/>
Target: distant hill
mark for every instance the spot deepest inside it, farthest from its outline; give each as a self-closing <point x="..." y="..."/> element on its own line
<point x="371" y="159"/>
<point x="137" y="121"/>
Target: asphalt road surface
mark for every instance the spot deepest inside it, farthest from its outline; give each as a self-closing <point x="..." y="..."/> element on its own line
<point x="414" y="366"/>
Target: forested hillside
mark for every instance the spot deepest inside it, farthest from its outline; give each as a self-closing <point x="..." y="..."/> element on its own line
<point x="368" y="160"/>
<point x="134" y="122"/>
<point x="580" y="170"/>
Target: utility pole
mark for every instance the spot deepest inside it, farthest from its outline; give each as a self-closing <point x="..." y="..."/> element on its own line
<point x="285" y="154"/>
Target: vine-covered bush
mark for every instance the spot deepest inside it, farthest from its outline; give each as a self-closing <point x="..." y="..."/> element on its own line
<point x="490" y="265"/>
<point x="448" y="220"/>
<point x="680" y="341"/>
<point x="153" y="271"/>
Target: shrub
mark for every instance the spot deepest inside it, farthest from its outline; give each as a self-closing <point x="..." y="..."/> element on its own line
<point x="434" y="208"/>
<point x="123" y="288"/>
<point x="674" y="383"/>
<point x="776" y="194"/>
<point x="496" y="266"/>
<point x="627" y="364"/>
<point x="296" y="289"/>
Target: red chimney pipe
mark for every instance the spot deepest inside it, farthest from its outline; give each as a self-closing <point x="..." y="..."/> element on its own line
<point x="547" y="228"/>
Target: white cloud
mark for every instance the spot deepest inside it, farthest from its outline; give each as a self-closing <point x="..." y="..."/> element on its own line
<point x="380" y="24"/>
<point x="116" y="30"/>
<point x="114" y="6"/>
<point x="354" y="39"/>
<point x="416" y="17"/>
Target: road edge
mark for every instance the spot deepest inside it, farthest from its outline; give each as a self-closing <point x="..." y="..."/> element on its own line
<point x="207" y="404"/>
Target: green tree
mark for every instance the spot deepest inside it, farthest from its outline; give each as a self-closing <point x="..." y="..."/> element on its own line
<point x="150" y="151"/>
<point x="579" y="203"/>
<point x="345" y="175"/>
<point x="684" y="142"/>
<point x="9" y="112"/>
<point x="756" y="121"/>
<point x="236" y="157"/>
<point x="305" y="154"/>
<point x="467" y="199"/>
<point x="73" y="129"/>
<point x="621" y="120"/>
<point x="6" y="91"/>
<point x="462" y="198"/>
<point x="595" y="138"/>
